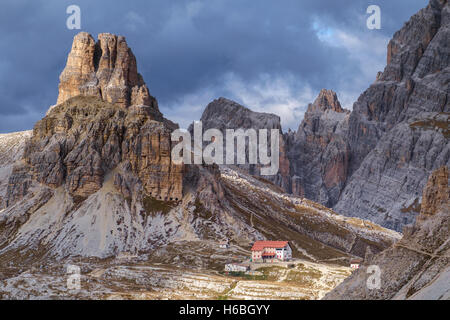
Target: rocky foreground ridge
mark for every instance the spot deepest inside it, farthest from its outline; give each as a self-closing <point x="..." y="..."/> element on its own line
<point x="417" y="266"/>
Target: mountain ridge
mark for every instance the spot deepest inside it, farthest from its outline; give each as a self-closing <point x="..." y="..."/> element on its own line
<point x="96" y="179"/>
<point x="374" y="161"/>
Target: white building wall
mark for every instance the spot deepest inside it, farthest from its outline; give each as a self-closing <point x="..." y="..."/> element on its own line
<point x="288" y="252"/>
<point x="284" y="254"/>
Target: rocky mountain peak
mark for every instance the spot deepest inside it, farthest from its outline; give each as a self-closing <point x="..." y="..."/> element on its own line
<point x="326" y="100"/>
<point x="105" y="126"/>
<point x="105" y="69"/>
<point x="318" y="152"/>
<point x="224" y="113"/>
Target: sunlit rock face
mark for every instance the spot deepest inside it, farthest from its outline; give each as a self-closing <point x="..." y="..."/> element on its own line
<point x="105" y="122"/>
<point x="105" y="69"/>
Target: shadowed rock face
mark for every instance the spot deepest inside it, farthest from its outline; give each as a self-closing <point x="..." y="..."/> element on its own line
<point x="11" y="150"/>
<point x="225" y="114"/>
<point x="374" y="162"/>
<point x="418" y="266"/>
<point x="318" y="152"/>
<point x="313" y="161"/>
<point x="398" y="130"/>
<point x="105" y="69"/>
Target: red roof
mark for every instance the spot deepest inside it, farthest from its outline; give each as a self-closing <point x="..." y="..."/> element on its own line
<point x="356" y="261"/>
<point x="260" y="245"/>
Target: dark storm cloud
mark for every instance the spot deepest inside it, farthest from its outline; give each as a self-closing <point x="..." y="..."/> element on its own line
<point x="271" y="55"/>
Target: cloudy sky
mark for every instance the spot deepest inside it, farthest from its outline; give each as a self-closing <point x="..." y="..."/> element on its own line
<point x="271" y="56"/>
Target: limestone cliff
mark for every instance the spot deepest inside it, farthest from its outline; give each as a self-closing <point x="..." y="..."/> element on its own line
<point x="105" y="123"/>
<point x="313" y="161"/>
<point x="399" y="128"/>
<point x="225" y="114"/>
<point x="318" y="152"/>
<point x="11" y="150"/>
<point x="105" y="69"/>
<point x="84" y="139"/>
<point x="372" y="163"/>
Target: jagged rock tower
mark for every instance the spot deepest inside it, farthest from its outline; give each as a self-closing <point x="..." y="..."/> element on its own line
<point x="318" y="152"/>
<point x="105" y="69"/>
<point x="105" y="124"/>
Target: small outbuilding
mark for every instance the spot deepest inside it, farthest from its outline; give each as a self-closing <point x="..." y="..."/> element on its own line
<point x="237" y="267"/>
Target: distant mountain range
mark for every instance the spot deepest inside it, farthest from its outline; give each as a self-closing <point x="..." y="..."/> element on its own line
<point x="372" y="162"/>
